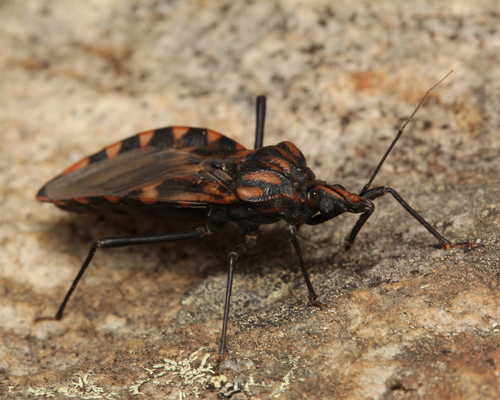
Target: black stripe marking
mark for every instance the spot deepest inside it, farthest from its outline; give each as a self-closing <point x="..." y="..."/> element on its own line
<point x="130" y="143"/>
<point x="224" y="143"/>
<point x="162" y="138"/>
<point x="195" y="137"/>
<point x="98" y="156"/>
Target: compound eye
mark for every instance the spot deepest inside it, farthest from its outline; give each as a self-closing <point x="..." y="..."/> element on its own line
<point x="312" y="198"/>
<point x="312" y="195"/>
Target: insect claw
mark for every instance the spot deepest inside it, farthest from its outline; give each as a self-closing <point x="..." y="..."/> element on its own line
<point x="220" y="360"/>
<point x="316" y="303"/>
<point x="347" y="245"/>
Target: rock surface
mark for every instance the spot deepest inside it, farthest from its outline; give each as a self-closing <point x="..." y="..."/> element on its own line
<point x="405" y="319"/>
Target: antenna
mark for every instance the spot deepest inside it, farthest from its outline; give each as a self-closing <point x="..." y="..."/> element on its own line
<point x="400" y="132"/>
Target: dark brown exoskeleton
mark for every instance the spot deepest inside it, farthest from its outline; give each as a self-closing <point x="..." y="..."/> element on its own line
<point x="196" y="174"/>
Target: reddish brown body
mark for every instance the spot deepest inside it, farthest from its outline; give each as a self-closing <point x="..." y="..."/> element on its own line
<point x="157" y="173"/>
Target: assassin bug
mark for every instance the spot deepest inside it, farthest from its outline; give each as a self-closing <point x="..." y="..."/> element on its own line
<point x="196" y="174"/>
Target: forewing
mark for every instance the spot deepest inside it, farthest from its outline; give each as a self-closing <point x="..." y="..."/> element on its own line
<point x="151" y="175"/>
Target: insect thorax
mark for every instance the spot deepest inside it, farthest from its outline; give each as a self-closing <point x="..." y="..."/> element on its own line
<point x="272" y="184"/>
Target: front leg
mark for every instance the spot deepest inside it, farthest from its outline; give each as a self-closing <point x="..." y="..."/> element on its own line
<point x="374" y="193"/>
<point x="291" y="230"/>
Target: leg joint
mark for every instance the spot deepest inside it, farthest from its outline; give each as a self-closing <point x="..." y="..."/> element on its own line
<point x="250" y="241"/>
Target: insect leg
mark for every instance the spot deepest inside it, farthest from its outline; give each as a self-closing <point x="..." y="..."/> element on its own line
<point x="260" y="119"/>
<point x="291" y="230"/>
<point x="381" y="191"/>
<point x="250" y="241"/>
<point x="122" y="242"/>
<point x="349" y="240"/>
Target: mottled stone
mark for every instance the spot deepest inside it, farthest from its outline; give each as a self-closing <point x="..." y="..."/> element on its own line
<point x="405" y="319"/>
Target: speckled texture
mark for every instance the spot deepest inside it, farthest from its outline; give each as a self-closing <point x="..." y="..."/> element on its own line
<point x="405" y="319"/>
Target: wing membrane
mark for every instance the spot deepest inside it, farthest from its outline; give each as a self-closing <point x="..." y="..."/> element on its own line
<point x="150" y="173"/>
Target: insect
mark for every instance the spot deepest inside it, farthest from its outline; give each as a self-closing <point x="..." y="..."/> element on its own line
<point x="195" y="174"/>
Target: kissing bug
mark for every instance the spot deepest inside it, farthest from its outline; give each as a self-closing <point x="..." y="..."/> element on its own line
<point x="196" y="174"/>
